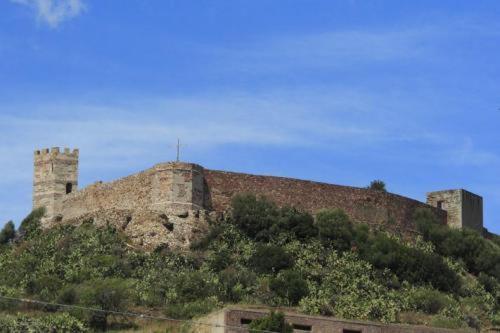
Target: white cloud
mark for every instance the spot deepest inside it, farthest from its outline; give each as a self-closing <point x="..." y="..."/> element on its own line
<point x="53" y="12"/>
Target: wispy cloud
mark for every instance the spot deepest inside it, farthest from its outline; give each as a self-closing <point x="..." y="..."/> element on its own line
<point x="108" y="134"/>
<point x="330" y="49"/>
<point x="53" y="12"/>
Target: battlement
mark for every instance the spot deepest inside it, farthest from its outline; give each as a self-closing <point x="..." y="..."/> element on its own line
<point x="55" y="176"/>
<point x="45" y="152"/>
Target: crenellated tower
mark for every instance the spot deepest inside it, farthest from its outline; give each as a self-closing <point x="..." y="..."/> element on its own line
<point x="55" y="176"/>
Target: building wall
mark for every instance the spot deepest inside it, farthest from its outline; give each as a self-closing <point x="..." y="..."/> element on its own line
<point x="465" y="209"/>
<point x="472" y="211"/>
<point x="362" y="205"/>
<point x="318" y="324"/>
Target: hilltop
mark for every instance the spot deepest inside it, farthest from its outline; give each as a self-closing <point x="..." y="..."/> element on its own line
<point x="258" y="254"/>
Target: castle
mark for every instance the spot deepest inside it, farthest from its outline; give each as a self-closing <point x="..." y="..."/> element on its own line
<point x="171" y="203"/>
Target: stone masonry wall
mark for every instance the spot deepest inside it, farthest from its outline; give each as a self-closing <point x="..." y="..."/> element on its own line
<point x="158" y="206"/>
<point x="465" y="209"/>
<point x="362" y="205"/>
<point x="169" y="203"/>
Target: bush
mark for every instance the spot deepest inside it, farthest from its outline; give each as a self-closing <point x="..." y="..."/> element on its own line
<point x="377" y="185"/>
<point x="274" y="322"/>
<point x="429" y="301"/>
<point x="300" y="224"/>
<point x="60" y="322"/>
<point x="236" y="283"/>
<point x="31" y="225"/>
<point x="8" y="233"/>
<point x="290" y="286"/>
<point x="106" y="294"/>
<point x="478" y="253"/>
<point x="269" y="259"/>
<point x="410" y="264"/>
<point x="334" y="226"/>
<point x="254" y="216"/>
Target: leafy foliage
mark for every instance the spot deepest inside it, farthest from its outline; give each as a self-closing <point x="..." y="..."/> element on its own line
<point x="274" y="322"/>
<point x="265" y="255"/>
<point x="377" y="185"/>
<point x="61" y="322"/>
<point x="30" y="226"/>
<point x="8" y="233"/>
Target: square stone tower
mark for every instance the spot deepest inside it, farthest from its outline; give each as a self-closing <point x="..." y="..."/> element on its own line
<point x="55" y="175"/>
<point x="465" y="209"/>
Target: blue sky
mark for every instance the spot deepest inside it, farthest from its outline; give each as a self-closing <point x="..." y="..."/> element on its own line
<point x="336" y="91"/>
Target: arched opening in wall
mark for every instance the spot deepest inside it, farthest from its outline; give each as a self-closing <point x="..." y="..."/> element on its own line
<point x="69" y="188"/>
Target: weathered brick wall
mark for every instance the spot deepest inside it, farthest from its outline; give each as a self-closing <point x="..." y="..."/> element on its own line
<point x="362" y="205"/>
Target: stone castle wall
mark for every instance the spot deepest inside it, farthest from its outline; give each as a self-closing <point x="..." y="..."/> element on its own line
<point x="362" y="205"/>
<point x="170" y="202"/>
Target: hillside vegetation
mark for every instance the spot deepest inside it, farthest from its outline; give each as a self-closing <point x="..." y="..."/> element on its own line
<point x="259" y="254"/>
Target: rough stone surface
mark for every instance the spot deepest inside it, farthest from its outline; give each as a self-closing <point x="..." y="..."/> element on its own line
<point x="465" y="209"/>
<point x="170" y="204"/>
<point x="376" y="208"/>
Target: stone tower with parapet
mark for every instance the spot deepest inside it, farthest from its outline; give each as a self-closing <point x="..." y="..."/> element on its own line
<point x="55" y="176"/>
<point x="464" y="209"/>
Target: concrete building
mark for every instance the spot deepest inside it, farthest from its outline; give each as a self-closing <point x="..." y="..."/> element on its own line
<point x="237" y="319"/>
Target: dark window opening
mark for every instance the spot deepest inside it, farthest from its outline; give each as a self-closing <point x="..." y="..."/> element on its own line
<point x="299" y="327"/>
<point x="352" y="331"/>
<point x="440" y="204"/>
<point x="69" y="188"/>
<point x="245" y="321"/>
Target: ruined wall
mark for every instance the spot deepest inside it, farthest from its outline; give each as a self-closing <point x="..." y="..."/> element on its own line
<point x="362" y="205"/>
<point x="162" y="205"/>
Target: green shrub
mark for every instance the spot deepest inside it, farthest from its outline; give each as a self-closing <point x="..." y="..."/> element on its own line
<point x="299" y="223"/>
<point x="106" y="294"/>
<point x="8" y="233"/>
<point x="334" y="226"/>
<point x="255" y="216"/>
<point x="235" y="283"/>
<point x="479" y="254"/>
<point x="31" y="225"/>
<point x="190" y="309"/>
<point x="410" y="264"/>
<point x="289" y="285"/>
<point x="59" y="322"/>
<point x="274" y="322"/>
<point x="270" y="259"/>
<point x="429" y="301"/>
<point x="377" y="185"/>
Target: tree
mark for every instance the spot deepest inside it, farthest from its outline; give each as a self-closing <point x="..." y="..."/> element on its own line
<point x="8" y="233"/>
<point x="274" y="322"/>
<point x="269" y="259"/>
<point x="255" y="216"/>
<point x="298" y="223"/>
<point x="31" y="225"/>
<point x="377" y="185"/>
<point x="334" y="225"/>
<point x="290" y="285"/>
